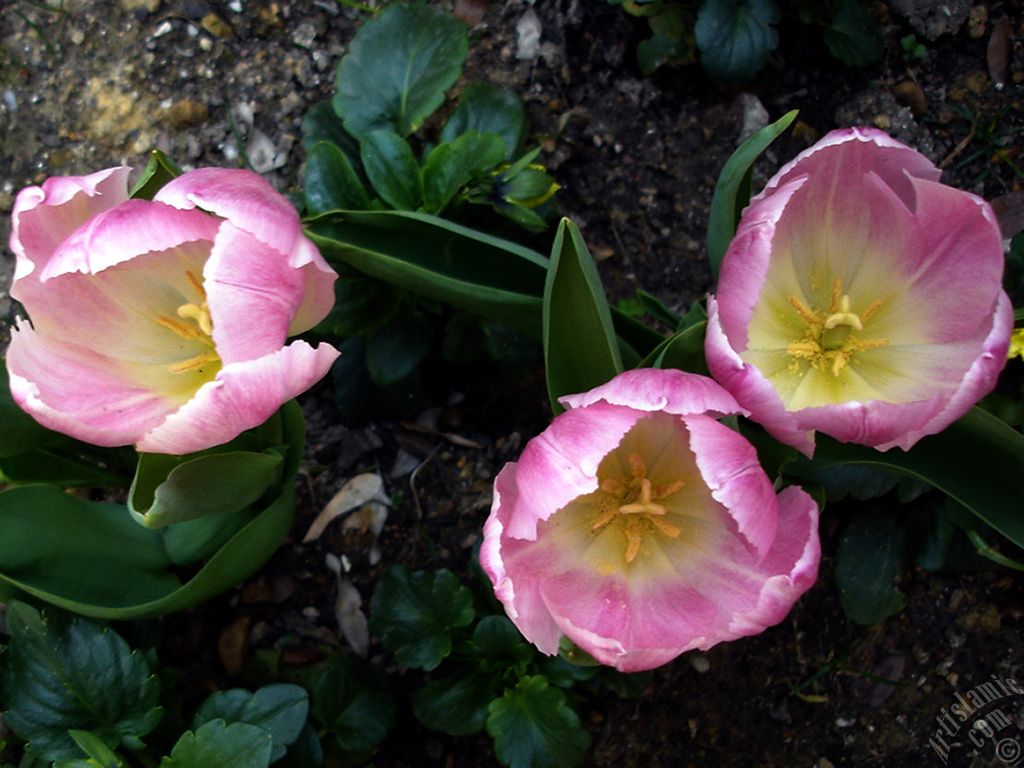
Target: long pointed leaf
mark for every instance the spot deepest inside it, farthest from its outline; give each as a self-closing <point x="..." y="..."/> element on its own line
<point x="978" y="460"/>
<point x="581" y="350"/>
<point x="732" y="193"/>
<point x="495" y="278"/>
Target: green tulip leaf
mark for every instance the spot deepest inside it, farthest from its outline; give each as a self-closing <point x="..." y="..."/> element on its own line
<point x="278" y="708"/>
<point x="977" y="460"/>
<point x="735" y="37"/>
<point x="392" y="169"/>
<point x="21" y="432"/>
<point x="211" y="484"/>
<point x="487" y="109"/>
<point x="62" y="673"/>
<point x="352" y="701"/>
<point x="450" y="166"/>
<point x="732" y="193"/>
<point x="495" y="278"/>
<point x="398" y="68"/>
<point x="872" y="554"/>
<point x="330" y="181"/>
<point x="234" y="745"/>
<point x="533" y="726"/>
<point x="58" y="465"/>
<point x="581" y="350"/>
<point x="159" y="170"/>
<point x="50" y="543"/>
<point x="683" y="350"/>
<point x="414" y="614"/>
<point x="853" y="37"/>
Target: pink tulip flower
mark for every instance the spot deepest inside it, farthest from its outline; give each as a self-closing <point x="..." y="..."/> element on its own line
<point x="860" y="298"/>
<point x="163" y="324"/>
<point x="640" y="527"/>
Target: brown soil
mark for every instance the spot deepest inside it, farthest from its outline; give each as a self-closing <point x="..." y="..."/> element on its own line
<point x="637" y="158"/>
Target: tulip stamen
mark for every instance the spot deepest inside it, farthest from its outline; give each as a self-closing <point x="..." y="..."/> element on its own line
<point x="634" y="506"/>
<point x="195" y="363"/>
<point x="199" y="330"/>
<point x="829" y="343"/>
<point x="181" y="328"/>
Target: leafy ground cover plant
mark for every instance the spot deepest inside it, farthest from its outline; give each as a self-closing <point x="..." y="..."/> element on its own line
<point x="735" y="37"/>
<point x="76" y="695"/>
<point x="367" y="152"/>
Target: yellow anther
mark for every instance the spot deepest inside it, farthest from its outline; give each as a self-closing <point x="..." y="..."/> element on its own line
<point x="612" y="486"/>
<point x="828" y="342"/>
<point x="667" y="490"/>
<point x="199" y="329"/>
<point x="633" y="507"/>
<point x="183" y="329"/>
<point x="196" y="283"/>
<point x="804" y="311"/>
<point x="637" y="466"/>
<point x="194" y="363"/>
<point x="634" y="537"/>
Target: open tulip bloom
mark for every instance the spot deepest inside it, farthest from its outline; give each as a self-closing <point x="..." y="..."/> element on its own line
<point x="860" y="298"/>
<point x="163" y="323"/>
<point x="640" y="527"/>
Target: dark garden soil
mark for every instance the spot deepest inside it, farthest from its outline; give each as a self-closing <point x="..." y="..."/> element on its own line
<point x="107" y="81"/>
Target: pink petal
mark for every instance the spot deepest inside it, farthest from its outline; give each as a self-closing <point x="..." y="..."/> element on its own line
<point x="44" y="216"/>
<point x="502" y="558"/>
<point x="121" y="234"/>
<point x="244" y="395"/>
<point x="730" y="468"/>
<point x="253" y="295"/>
<point x="652" y="389"/>
<point x="249" y="202"/>
<point x="561" y="463"/>
<point x="978" y="381"/>
<point x="956" y="263"/>
<point x="625" y="627"/>
<point x="750" y="388"/>
<point x="791" y="566"/>
<point x="850" y="154"/>
<point x="745" y="264"/>
<point x="114" y="312"/>
<point x="81" y="393"/>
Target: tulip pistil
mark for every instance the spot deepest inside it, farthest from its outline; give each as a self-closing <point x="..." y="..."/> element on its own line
<point x="829" y="341"/>
<point x="633" y="506"/>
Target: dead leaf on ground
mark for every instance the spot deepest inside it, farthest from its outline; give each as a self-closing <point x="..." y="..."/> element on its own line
<point x="470" y="12"/>
<point x="233" y="645"/>
<point x="360" y="490"/>
<point x="999" y="53"/>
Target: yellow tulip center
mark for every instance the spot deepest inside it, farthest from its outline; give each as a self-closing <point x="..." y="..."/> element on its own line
<point x="631" y="505"/>
<point x="193" y="323"/>
<point x="832" y="337"/>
